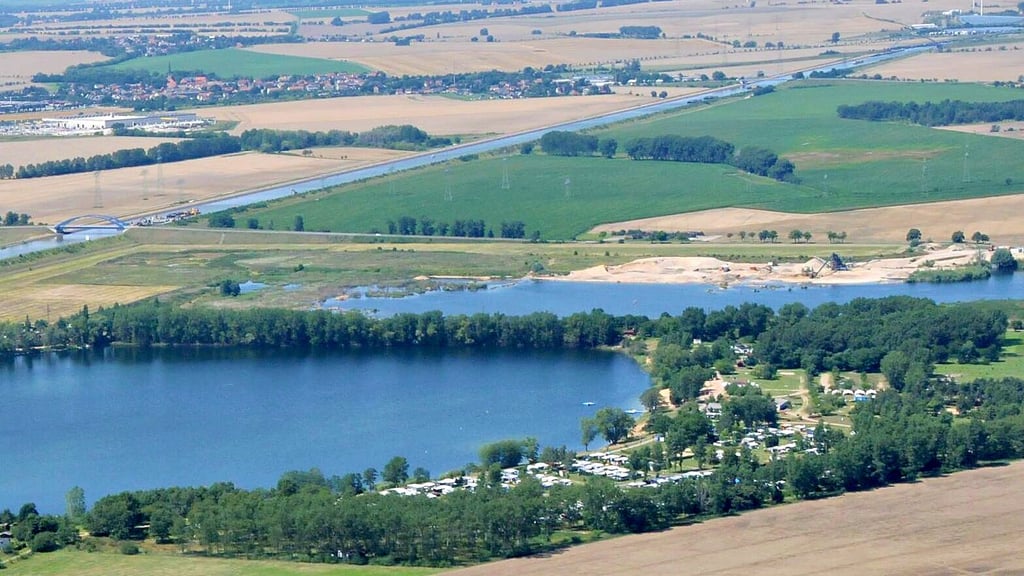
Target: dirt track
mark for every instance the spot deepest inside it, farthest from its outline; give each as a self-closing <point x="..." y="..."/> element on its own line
<point x="968" y="523"/>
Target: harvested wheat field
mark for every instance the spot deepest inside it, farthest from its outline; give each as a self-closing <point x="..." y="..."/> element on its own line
<point x="445" y="57"/>
<point x="937" y="221"/>
<point x="1004" y="63"/>
<point x="437" y="115"/>
<point x="19" y="67"/>
<point x="21" y="152"/>
<point x="967" y="523"/>
<point x="42" y="301"/>
<point x="1006" y="129"/>
<point x="132" y="191"/>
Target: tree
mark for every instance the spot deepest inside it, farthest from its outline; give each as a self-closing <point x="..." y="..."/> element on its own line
<point x="221" y="220"/>
<point x="396" y="471"/>
<point x="718" y="76"/>
<point x="370" y="478"/>
<point x="1003" y="261"/>
<point x="958" y="237"/>
<point x="613" y="424"/>
<point x="651" y="399"/>
<point x="300" y="223"/>
<point x="589" y="430"/>
<point x="978" y="238"/>
<point x="74" y="504"/>
<point x="608" y="147"/>
<point x="835" y="37"/>
<point x="796" y="235"/>
<point x="505" y="453"/>
<point x="913" y="235"/>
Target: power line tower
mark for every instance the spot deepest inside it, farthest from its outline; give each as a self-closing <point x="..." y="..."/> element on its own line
<point x="97" y="193"/>
<point x="181" y="190"/>
<point x="159" y="175"/>
<point x="967" y="167"/>
<point x="391" y="180"/>
<point x="448" y="184"/>
<point x="924" y="175"/>
<point x="145" y="184"/>
<point x="567" y="186"/>
<point x="506" y="183"/>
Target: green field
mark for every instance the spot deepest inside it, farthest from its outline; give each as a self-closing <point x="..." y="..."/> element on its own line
<point x="328" y="13"/>
<point x="75" y="563"/>
<point x="842" y="164"/>
<point x="1012" y="364"/>
<point x="235" y="62"/>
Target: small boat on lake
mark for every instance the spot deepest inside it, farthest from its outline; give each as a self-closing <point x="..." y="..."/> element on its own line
<point x="588" y="403"/>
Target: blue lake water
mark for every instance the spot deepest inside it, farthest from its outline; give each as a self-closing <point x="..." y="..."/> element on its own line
<point x="564" y="298"/>
<point x="125" y="419"/>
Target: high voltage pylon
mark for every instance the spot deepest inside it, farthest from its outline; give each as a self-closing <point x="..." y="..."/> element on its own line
<point x="567" y="185"/>
<point x="97" y="194"/>
<point x="145" y="184"/>
<point x="448" y="184"/>
<point x="505" y="182"/>
<point x="967" y="167"/>
<point x="924" y="174"/>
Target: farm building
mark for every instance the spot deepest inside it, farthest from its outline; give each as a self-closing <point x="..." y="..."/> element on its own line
<point x="5" y="541"/>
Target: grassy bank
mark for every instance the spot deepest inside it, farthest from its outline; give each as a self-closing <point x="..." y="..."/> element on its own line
<point x="76" y="563"/>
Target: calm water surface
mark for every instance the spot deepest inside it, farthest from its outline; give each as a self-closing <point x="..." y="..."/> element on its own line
<point x="126" y="419"/>
<point x="564" y="298"/>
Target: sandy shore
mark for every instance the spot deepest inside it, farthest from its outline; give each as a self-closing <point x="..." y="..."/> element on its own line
<point x="688" y="270"/>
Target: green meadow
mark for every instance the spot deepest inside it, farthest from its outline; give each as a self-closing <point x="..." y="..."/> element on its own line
<point x="76" y="563"/>
<point x="841" y="164"/>
<point x="235" y="62"/>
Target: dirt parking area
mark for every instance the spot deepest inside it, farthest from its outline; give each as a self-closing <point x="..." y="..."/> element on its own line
<point x="967" y="523"/>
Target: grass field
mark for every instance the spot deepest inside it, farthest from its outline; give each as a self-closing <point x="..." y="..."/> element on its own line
<point x="234" y="62"/>
<point x="75" y="563"/>
<point x="843" y="164"/>
<point x="1012" y="364"/>
<point x="14" y="234"/>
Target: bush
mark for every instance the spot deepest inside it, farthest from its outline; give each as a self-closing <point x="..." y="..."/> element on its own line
<point x="44" y="542"/>
<point x="128" y="548"/>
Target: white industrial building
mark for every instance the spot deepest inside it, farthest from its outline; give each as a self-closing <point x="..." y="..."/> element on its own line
<point x="106" y="122"/>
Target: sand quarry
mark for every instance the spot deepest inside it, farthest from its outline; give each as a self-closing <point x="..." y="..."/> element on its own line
<point x="967" y="523"/>
<point x="696" y="269"/>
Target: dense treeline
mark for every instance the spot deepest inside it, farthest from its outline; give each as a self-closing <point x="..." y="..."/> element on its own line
<point x="703" y="149"/>
<point x="674" y="148"/>
<point x="165" y="152"/>
<point x="562" y="143"/>
<point x="944" y="113"/>
<point x="404" y="137"/>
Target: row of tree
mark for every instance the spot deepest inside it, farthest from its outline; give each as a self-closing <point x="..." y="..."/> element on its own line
<point x="710" y="150"/>
<point x="404" y="137"/>
<point x="424" y="226"/>
<point x="165" y="152"/>
<point x="12" y="218"/>
<point x="944" y="113"/>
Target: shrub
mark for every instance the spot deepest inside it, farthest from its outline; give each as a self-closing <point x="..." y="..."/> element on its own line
<point x="128" y="548"/>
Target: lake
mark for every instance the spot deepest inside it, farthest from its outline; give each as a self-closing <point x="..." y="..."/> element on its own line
<point x="125" y="419"/>
<point x="564" y="298"/>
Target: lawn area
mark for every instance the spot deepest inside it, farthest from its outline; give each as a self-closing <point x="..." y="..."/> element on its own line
<point x="234" y="62"/>
<point x="841" y="164"/>
<point x="76" y="563"/>
<point x="1012" y="364"/>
